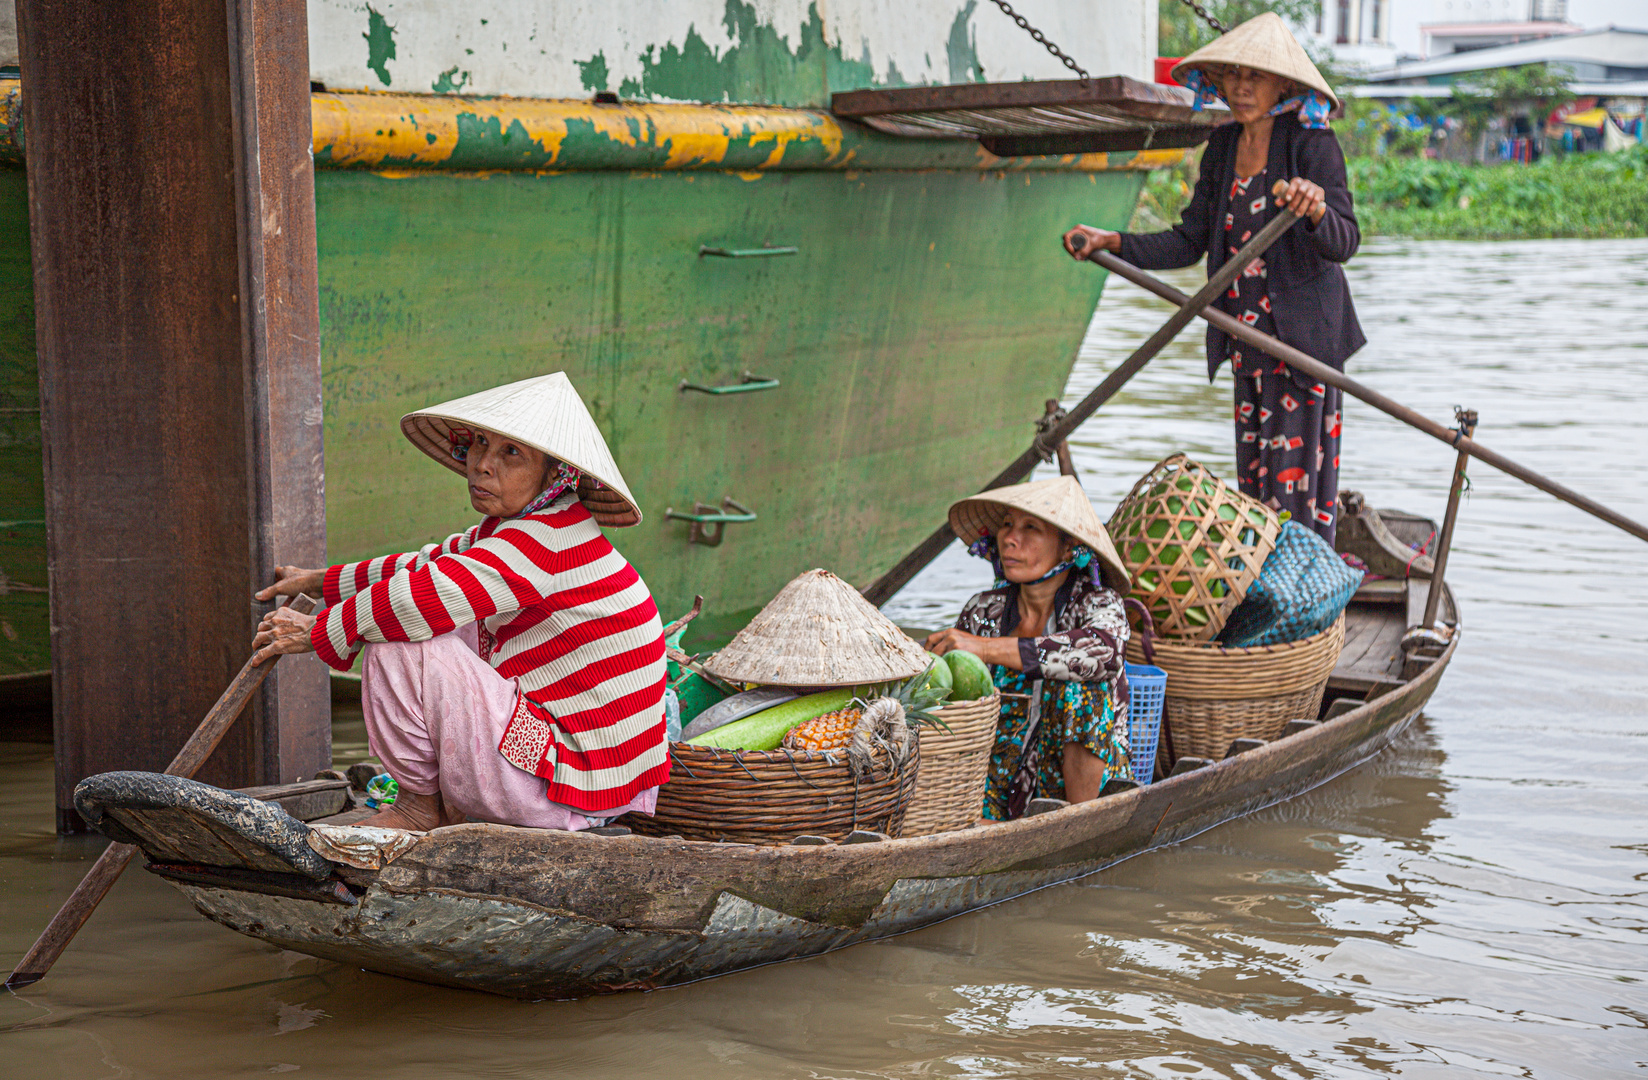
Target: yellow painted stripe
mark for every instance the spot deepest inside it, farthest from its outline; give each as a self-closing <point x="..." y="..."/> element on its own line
<point x="406" y="133"/>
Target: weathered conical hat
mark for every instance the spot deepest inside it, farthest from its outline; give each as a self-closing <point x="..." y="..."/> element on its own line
<point x="818" y="631"/>
<point x="546" y="414"/>
<point x="1059" y="501"/>
<point x="1263" y="42"/>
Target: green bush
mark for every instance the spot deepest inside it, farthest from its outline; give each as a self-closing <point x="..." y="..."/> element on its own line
<point x="1585" y="195"/>
<point x="1582" y="195"/>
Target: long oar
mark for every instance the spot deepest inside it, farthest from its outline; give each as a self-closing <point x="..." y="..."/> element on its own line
<point x="884" y="587"/>
<point x="1324" y="374"/>
<point x="95" y="885"/>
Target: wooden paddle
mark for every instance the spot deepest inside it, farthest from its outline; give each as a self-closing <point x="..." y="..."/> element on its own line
<point x="109" y="866"/>
<point x="1041" y="449"/>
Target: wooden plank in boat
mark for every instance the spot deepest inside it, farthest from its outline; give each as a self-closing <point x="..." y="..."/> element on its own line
<point x="306" y="800"/>
<point x="1382" y="591"/>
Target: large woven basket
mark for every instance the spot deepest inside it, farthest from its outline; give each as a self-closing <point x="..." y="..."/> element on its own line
<point x="1216" y="695"/>
<point x="773" y="796"/>
<point x="1192" y="544"/>
<point x="954" y="767"/>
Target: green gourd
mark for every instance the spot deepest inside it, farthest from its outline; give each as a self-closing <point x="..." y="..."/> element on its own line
<point x="969" y="677"/>
<point x="939" y="673"/>
<point x="767" y="728"/>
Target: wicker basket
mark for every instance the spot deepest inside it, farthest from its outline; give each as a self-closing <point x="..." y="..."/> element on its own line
<point x="773" y="796"/>
<point x="1217" y="695"/>
<point x="1193" y="545"/>
<point x="954" y="766"/>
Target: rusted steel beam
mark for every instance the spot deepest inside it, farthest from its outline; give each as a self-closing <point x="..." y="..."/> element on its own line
<point x="177" y="398"/>
<point x="275" y="196"/>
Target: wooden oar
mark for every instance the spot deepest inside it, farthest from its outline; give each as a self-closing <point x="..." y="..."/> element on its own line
<point x="95" y="885"/>
<point x="1324" y="374"/>
<point x="883" y="588"/>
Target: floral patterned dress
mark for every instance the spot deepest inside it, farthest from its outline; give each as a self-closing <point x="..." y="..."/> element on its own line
<point x="1084" y="685"/>
<point x="1287" y="426"/>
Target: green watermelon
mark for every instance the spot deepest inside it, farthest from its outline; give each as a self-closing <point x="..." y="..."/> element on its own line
<point x="970" y="679"/>
<point x="939" y="676"/>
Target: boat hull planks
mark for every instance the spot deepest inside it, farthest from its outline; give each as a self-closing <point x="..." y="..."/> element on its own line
<point x="536" y="914"/>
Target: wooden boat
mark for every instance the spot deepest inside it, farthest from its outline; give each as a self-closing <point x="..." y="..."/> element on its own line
<point x="532" y="913"/>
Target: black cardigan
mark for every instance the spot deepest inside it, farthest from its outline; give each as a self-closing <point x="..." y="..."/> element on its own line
<point x="1309" y="297"/>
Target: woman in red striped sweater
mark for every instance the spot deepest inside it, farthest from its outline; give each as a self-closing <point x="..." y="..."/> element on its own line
<point x="514" y="672"/>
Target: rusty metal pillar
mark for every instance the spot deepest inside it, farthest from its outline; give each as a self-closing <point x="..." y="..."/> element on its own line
<point x="171" y="206"/>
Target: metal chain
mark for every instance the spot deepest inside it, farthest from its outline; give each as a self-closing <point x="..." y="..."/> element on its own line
<point x="1007" y="10"/>
<point x="1201" y="12"/>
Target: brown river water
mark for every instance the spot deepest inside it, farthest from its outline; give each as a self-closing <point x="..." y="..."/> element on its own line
<point x="1473" y="902"/>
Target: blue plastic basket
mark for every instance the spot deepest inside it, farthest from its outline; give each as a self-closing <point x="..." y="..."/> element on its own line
<point x="1147" y="689"/>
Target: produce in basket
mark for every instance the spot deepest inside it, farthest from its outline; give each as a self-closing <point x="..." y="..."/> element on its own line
<point x="766" y="729"/>
<point x="735" y="708"/>
<point x="1192" y="545"/>
<point x="969" y="676"/>
<point x="938" y="673"/>
<point x="913" y="701"/>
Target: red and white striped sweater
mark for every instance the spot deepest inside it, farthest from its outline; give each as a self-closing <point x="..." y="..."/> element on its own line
<point x="561" y="611"/>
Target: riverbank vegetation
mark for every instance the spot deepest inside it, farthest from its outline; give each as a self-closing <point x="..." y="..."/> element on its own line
<point x="1581" y="195"/>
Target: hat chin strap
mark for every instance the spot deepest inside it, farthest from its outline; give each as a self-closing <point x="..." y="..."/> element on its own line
<point x="563" y="478"/>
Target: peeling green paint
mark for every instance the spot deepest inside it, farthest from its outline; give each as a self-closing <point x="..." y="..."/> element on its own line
<point x="447" y="84"/>
<point x="963" y="47"/>
<point x="593" y="72"/>
<point x="486" y="139"/>
<point x="758" y="66"/>
<point x="380" y="43"/>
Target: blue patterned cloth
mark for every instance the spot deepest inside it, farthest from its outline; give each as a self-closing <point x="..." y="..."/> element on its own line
<point x="1313" y="106"/>
<point x="1301" y="590"/>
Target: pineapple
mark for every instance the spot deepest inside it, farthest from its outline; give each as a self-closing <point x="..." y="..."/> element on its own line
<point x="830" y="732"/>
<point x="879" y="714"/>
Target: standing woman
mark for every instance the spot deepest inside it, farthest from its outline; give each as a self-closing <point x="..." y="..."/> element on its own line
<point x="1287" y="425"/>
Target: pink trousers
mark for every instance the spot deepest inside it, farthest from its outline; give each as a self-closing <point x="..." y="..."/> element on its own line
<point x="435" y="713"/>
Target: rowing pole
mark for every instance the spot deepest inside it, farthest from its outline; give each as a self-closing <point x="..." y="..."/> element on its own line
<point x="112" y="863"/>
<point x="1322" y="373"/>
<point x="884" y="587"/>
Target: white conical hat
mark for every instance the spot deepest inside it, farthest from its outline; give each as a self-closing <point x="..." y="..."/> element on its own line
<point x="546" y="414"/>
<point x="1263" y="42"/>
<point x="818" y="631"/>
<point x="1059" y="501"/>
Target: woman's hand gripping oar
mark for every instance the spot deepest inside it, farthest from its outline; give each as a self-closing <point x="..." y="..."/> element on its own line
<point x="109" y="866"/>
<point x="1297" y="193"/>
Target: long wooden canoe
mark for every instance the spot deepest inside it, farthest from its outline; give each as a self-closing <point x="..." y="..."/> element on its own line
<point x="533" y="913"/>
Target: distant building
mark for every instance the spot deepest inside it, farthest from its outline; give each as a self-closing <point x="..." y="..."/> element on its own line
<point x="1611" y="60"/>
<point x="1466" y="25"/>
<point x="1356" y="32"/>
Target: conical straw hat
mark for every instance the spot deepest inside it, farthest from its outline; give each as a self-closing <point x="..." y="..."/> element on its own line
<point x="818" y="631"/>
<point x="546" y="414"/>
<point x="1060" y="501"/>
<point x="1263" y="42"/>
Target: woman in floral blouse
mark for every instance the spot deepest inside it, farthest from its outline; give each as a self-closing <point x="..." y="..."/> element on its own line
<point x="1052" y="631"/>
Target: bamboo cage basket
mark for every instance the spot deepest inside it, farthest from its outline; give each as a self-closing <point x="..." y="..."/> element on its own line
<point x="954" y="767"/>
<point x="1192" y="545"/>
<point x="1217" y="695"/>
<point x="773" y="796"/>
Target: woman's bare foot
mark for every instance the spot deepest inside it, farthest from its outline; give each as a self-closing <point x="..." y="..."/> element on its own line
<point x="412" y="812"/>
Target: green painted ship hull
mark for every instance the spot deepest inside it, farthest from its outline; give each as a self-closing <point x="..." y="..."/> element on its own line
<point x="923" y="319"/>
<point x="914" y="336"/>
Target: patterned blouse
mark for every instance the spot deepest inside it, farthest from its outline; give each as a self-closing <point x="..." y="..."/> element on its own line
<point x="1084" y="686"/>
<point x="1089" y="624"/>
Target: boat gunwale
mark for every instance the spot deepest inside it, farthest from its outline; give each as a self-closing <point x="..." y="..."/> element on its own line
<point x="1326" y="735"/>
